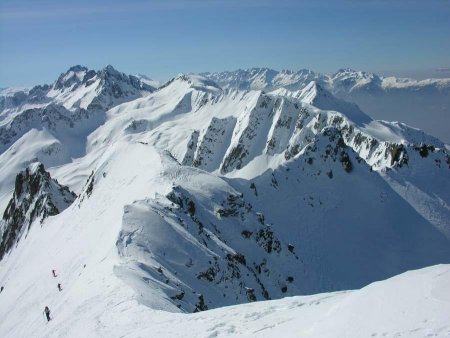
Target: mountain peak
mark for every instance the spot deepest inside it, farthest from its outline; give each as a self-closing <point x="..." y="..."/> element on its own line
<point x="310" y="93"/>
<point x="109" y="70"/>
<point x="36" y="196"/>
<point x="74" y="75"/>
<point x="195" y="81"/>
<point x="346" y="70"/>
<point x="351" y="73"/>
<point x="77" y="68"/>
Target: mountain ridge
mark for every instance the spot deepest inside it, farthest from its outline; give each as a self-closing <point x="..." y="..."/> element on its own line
<point x="194" y="196"/>
<point x="387" y="98"/>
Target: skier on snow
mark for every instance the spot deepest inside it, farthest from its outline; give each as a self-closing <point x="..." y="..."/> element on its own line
<point x="47" y="313"/>
<point x="54" y="273"/>
<point x="59" y="287"/>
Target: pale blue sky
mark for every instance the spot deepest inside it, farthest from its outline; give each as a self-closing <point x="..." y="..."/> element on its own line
<point x="41" y="39"/>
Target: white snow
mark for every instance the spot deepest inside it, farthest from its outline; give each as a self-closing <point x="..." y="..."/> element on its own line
<point x="418" y="103"/>
<point x="414" y="304"/>
<point x="125" y="250"/>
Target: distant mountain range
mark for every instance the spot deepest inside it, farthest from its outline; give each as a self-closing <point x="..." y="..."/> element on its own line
<point x="424" y="104"/>
<point x="210" y="190"/>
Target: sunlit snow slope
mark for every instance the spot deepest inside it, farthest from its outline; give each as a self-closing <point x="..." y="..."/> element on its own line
<point x="194" y="197"/>
<point x="424" y="104"/>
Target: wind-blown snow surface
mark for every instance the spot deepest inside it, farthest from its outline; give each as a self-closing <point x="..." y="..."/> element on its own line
<point x="414" y="304"/>
<point x="194" y="197"/>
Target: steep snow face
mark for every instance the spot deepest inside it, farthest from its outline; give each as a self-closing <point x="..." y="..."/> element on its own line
<point x="314" y="94"/>
<point x="194" y="197"/>
<point x="35" y="144"/>
<point x="240" y="241"/>
<point x="77" y="91"/>
<point x="36" y="197"/>
<point x="50" y="124"/>
<point x="79" y="244"/>
<point x="270" y="148"/>
<point x="80" y="87"/>
<point x="242" y="134"/>
<point x="225" y="252"/>
<point x="387" y="98"/>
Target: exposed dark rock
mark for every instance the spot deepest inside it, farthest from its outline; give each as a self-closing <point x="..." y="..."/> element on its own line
<point x="346" y="163"/>
<point x="266" y="239"/>
<point x="424" y="149"/>
<point x="253" y="187"/>
<point x="178" y="296"/>
<point x="398" y="154"/>
<point x="36" y="196"/>
<point x="246" y="233"/>
<point x="90" y="185"/>
<point x="200" y="306"/>
<point x="251" y="295"/>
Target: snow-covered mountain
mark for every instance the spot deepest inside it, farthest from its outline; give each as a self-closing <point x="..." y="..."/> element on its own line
<point x="414" y="304"/>
<point x="151" y="82"/>
<point x="50" y="123"/>
<point x="36" y="196"/>
<point x="424" y="104"/>
<point x="77" y="88"/>
<point x="193" y="197"/>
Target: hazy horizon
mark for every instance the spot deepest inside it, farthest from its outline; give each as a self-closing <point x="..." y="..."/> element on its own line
<point x="163" y="38"/>
<point x="412" y="74"/>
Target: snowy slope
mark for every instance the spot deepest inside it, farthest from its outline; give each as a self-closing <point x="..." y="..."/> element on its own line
<point x="424" y="104"/>
<point x="78" y="87"/>
<point x="36" y="197"/>
<point x="151" y="82"/>
<point x="194" y="197"/>
<point x="414" y="304"/>
<point x="53" y="121"/>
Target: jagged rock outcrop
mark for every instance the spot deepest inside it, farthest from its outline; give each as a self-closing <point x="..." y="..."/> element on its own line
<point x="213" y="143"/>
<point x="36" y="196"/>
<point x="381" y="97"/>
<point x="297" y="229"/>
<point x="272" y="125"/>
<point x="225" y="254"/>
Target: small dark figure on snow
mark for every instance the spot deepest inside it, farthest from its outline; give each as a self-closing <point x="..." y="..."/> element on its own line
<point x="1" y="289"/>
<point x="47" y="313"/>
<point x="54" y="273"/>
<point x="59" y="287"/>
